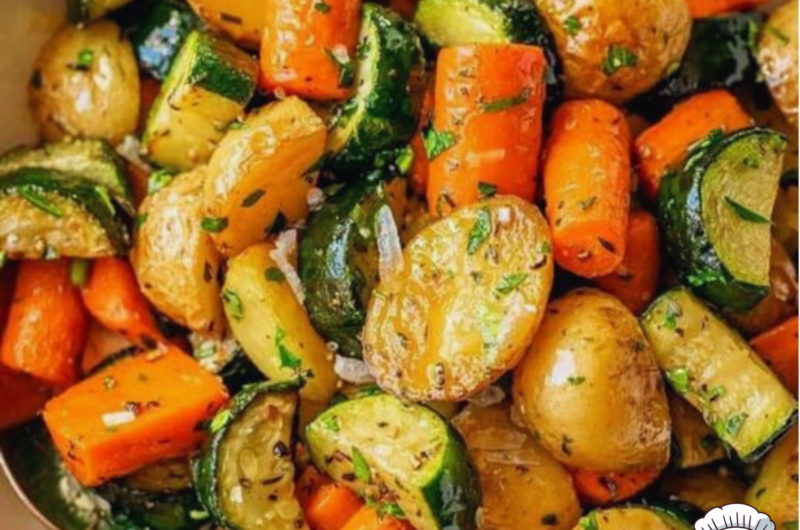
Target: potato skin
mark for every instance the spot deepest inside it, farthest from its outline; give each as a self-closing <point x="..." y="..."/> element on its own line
<point x="523" y="486"/>
<point x="655" y="31"/>
<point x="174" y="258"/>
<point x="450" y="323"/>
<point x="778" y="56"/>
<point x="98" y="98"/>
<point x="591" y="389"/>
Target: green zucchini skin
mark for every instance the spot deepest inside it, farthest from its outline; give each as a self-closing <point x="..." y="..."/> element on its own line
<point x="515" y="21"/>
<point x="206" y="467"/>
<point x="719" y="55"/>
<point x="716" y="371"/>
<point x="91" y="198"/>
<point x="686" y="233"/>
<point x="158" y="34"/>
<point x="382" y="113"/>
<point x="338" y="265"/>
<point x="443" y="492"/>
<point x="91" y="159"/>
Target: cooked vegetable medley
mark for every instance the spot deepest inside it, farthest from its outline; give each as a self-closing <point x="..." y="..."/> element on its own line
<point x="404" y="265"/>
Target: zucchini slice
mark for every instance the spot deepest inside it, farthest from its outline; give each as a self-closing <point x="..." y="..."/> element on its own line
<point x="719" y="55"/>
<point x="382" y="114"/>
<point x="458" y="22"/>
<point x="245" y="474"/>
<point x="159" y="34"/>
<point x="208" y="86"/>
<point x="93" y="160"/>
<point x="82" y="11"/>
<point x="48" y="214"/>
<point x="714" y="369"/>
<point x="338" y="259"/>
<point x="714" y="216"/>
<point x="653" y="516"/>
<point x="401" y="454"/>
<point x="694" y="444"/>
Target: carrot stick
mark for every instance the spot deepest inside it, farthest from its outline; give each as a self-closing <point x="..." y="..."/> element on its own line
<point x="138" y="411"/>
<point x="113" y="298"/>
<point x="487" y="127"/>
<point x="22" y="397"/>
<point x="47" y="325"/>
<point x="101" y="345"/>
<point x="778" y="348"/>
<point x="330" y="507"/>
<point x="420" y="167"/>
<point x="587" y="180"/>
<point x="666" y="143"/>
<point x="710" y="8"/>
<point x="636" y="279"/>
<point x="308" y="47"/>
<point x="369" y="519"/>
<point x="596" y="489"/>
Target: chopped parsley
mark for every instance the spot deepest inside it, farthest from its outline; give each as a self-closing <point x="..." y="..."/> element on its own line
<point x="572" y="25"/>
<point x="331" y="423"/>
<point x="746" y="214"/>
<point x="79" y="271"/>
<point x="480" y="230"/>
<point x="220" y="420"/>
<point x="585" y="204"/>
<point x="233" y="304"/>
<point x="502" y="104"/>
<point x="140" y="220"/>
<point x="437" y="142"/>
<point x="84" y="60"/>
<point x="287" y="358"/>
<point x="679" y="379"/>
<point x="253" y="198"/>
<point x="360" y="466"/>
<point x="671" y="314"/>
<point x="576" y="380"/>
<point x="510" y="283"/>
<point x="618" y="57"/>
<point x="347" y="69"/>
<point x="391" y="509"/>
<point x="322" y="7"/>
<point x="33" y="197"/>
<point x="274" y="274"/>
<point x="214" y="224"/>
<point x="486" y="190"/>
<point x="158" y="179"/>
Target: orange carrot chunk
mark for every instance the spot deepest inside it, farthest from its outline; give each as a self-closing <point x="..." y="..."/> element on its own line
<point x="47" y="323"/>
<point x="665" y="144"/>
<point x="597" y="490"/>
<point x="331" y="507"/>
<point x="22" y="397"/>
<point x="138" y="411"/>
<point x="487" y="128"/>
<point x="778" y="348"/>
<point x="587" y="180"/>
<point x="308" y="47"/>
<point x="369" y="519"/>
<point x="710" y="8"/>
<point x="636" y="279"/>
<point x="113" y="298"/>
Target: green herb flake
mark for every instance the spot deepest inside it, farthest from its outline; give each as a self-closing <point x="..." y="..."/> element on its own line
<point x="109" y="382"/>
<point x="140" y="220"/>
<point x="679" y="379"/>
<point x="745" y="213"/>
<point x="734" y="424"/>
<point x="391" y="509"/>
<point x="33" y="197"/>
<point x="480" y="231"/>
<point x="214" y="224"/>
<point x="511" y="282"/>
<point x="576" y="380"/>
<point x="404" y="160"/>
<point x="572" y="25"/>
<point x="274" y="274"/>
<point x="502" y="104"/>
<point x="587" y="203"/>
<point x="347" y="69"/>
<point x="588" y="522"/>
<point x="84" y="60"/>
<point x="618" y="57"/>
<point x="220" y="420"/>
<point x="360" y="467"/>
<point x="79" y="271"/>
<point x="158" y="180"/>
<point x="714" y="393"/>
<point x="322" y="7"/>
<point x="671" y="314"/>
<point x="752" y="161"/>
<point x="287" y="358"/>
<point x="237" y="125"/>
<point x="330" y="423"/>
<point x="253" y="198"/>
<point x="487" y="190"/>
<point x="233" y="304"/>
<point x="437" y="142"/>
<point x="547" y="248"/>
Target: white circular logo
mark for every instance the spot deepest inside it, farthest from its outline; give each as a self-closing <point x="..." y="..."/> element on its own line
<point x="735" y="516"/>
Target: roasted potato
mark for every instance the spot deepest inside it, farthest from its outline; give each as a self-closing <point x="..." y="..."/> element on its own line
<point x="470" y="296"/>
<point x="705" y="487"/>
<point x="523" y="486"/>
<point x="590" y="389"/>
<point x="260" y="172"/>
<point x="775" y="490"/>
<point x="616" y="50"/>
<point x="778" y="56"/>
<point x="86" y="83"/>
<point x="272" y="325"/>
<point x="694" y="443"/>
<point x="174" y="258"/>
<point x="241" y="20"/>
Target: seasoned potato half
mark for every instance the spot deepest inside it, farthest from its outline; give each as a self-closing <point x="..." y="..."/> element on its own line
<point x="86" y="83"/>
<point x="260" y="172"/>
<point x="777" y="56"/>
<point x="273" y="327"/>
<point x="616" y="50"/>
<point x="590" y="388"/>
<point x="241" y="20"/>
<point x="174" y="258"/>
<point x="466" y="305"/>
<point x="523" y="486"/>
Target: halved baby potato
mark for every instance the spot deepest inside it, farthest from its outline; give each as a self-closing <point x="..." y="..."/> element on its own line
<point x="590" y="387"/>
<point x="470" y="295"/>
<point x="175" y="260"/>
<point x="260" y="172"/>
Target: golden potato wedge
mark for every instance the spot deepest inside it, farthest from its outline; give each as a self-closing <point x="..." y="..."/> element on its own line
<point x="175" y="260"/>
<point x="617" y="50"/>
<point x="775" y="491"/>
<point x="241" y="20"/>
<point x="523" y="486"/>
<point x="273" y="327"/>
<point x="778" y="56"/>
<point x="86" y="83"/>
<point x="590" y="387"/>
<point x="695" y="444"/>
<point x="260" y="172"/>
<point x="470" y="296"/>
